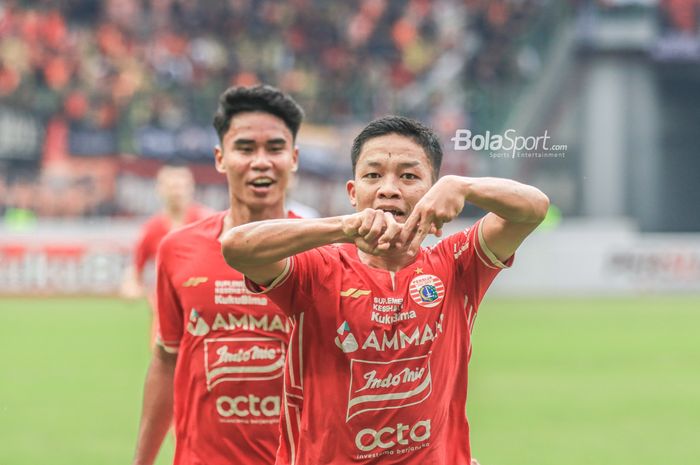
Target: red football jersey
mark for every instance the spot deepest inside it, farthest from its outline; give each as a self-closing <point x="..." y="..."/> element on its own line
<point x="231" y="347"/>
<point x="377" y="364"/>
<point x="155" y="229"/>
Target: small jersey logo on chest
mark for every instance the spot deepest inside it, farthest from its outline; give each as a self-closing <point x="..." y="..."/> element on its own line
<point x="195" y="281"/>
<point x="427" y="290"/>
<point x="234" y="292"/>
<point x="354" y="293"/>
<point x="388" y="311"/>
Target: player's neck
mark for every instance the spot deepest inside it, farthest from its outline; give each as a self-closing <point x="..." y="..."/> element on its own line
<point x="176" y="214"/>
<point x="392" y="262"/>
<point x="241" y="214"/>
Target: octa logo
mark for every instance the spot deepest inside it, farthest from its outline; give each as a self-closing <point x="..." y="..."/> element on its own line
<point x="369" y="439"/>
<point x="244" y="406"/>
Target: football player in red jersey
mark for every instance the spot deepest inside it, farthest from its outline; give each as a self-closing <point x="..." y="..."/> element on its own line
<point x="377" y="364"/>
<point x="217" y="369"/>
<point x="175" y="188"/>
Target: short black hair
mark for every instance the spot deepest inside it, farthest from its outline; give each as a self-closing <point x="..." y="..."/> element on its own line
<point x="416" y="131"/>
<point x="264" y="98"/>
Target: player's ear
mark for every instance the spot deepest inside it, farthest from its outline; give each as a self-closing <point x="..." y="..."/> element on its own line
<point x="219" y="159"/>
<point x="350" y="186"/>
<point x="295" y="159"/>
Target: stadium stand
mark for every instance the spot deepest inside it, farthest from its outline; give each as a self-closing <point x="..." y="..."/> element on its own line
<point x="130" y="77"/>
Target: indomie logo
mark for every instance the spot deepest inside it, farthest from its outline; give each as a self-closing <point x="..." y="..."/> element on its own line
<point x="404" y="376"/>
<point x="243" y="359"/>
<point x="254" y="353"/>
<point x="388" y="385"/>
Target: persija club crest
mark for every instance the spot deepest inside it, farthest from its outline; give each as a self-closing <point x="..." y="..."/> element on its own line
<point x="427" y="290"/>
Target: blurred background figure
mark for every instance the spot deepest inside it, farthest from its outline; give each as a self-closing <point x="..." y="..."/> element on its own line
<point x="175" y="188"/>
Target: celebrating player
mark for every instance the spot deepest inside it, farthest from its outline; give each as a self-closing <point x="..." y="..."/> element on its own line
<point x="175" y="188"/>
<point x="218" y="364"/>
<point x="377" y="365"/>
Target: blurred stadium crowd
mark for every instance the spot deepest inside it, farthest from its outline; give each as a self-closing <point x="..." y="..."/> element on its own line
<point x="681" y="16"/>
<point x="129" y="62"/>
<point x="100" y="75"/>
<point x="140" y="78"/>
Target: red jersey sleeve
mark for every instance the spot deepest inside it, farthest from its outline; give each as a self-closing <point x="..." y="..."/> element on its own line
<point x="141" y="252"/>
<point x="476" y="266"/>
<point x="147" y="244"/>
<point x="155" y="229"/>
<point x="170" y="312"/>
<point x="294" y="286"/>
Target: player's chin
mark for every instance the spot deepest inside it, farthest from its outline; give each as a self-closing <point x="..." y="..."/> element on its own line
<point x="263" y="200"/>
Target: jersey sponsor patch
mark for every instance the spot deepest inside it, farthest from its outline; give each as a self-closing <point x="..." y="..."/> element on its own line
<point x="402" y="438"/>
<point x="427" y="290"/>
<point x="195" y="281"/>
<point x="346" y="340"/>
<point x="242" y="359"/>
<point x="354" y="293"/>
<point x="235" y="292"/>
<point x="388" y="385"/>
<point x="248" y="409"/>
<point x="399" y="339"/>
<point x="197" y="326"/>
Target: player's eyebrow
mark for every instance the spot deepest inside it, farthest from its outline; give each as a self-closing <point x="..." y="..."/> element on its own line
<point x="239" y="142"/>
<point x="409" y="164"/>
<point x="403" y="164"/>
<point x="276" y="141"/>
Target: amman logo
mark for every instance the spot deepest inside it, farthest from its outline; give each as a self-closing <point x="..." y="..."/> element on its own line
<point x="197" y="326"/>
<point x="349" y="343"/>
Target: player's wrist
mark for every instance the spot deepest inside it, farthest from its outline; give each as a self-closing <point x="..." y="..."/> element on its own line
<point x="463" y="184"/>
<point x="349" y="226"/>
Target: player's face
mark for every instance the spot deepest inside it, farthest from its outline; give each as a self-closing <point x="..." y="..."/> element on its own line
<point x="392" y="174"/>
<point x="258" y="156"/>
<point x="175" y="186"/>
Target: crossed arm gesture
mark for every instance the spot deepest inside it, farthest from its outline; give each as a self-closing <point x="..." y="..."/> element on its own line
<point x="515" y="210"/>
<point x="259" y="250"/>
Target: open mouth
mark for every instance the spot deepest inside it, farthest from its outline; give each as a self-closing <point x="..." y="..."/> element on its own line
<point x="261" y="183"/>
<point x="397" y="214"/>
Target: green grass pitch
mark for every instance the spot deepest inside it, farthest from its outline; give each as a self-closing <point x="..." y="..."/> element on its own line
<point x="565" y="381"/>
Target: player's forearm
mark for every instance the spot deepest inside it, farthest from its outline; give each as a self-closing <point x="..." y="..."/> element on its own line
<point x="157" y="408"/>
<point x="511" y="200"/>
<point x="266" y="242"/>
